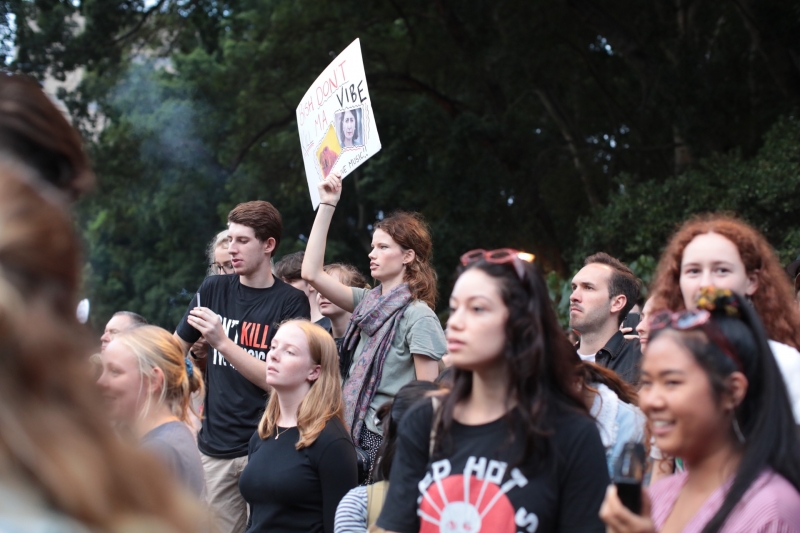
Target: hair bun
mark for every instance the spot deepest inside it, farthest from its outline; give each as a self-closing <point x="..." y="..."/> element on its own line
<point x="719" y="301"/>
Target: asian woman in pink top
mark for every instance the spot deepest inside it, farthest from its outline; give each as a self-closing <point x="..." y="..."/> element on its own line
<point x="714" y="396"/>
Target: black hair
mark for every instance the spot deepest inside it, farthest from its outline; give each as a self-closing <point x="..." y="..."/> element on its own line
<point x="622" y="281"/>
<point x="539" y="372"/>
<point x="390" y="414"/>
<point x="764" y="416"/>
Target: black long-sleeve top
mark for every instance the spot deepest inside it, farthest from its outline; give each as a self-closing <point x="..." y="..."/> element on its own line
<point x="298" y="490"/>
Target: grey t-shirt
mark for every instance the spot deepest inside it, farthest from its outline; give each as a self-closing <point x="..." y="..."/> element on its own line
<point x="418" y="332"/>
<point x="174" y="444"/>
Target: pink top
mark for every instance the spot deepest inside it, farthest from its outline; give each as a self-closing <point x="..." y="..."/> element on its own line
<point x="770" y="505"/>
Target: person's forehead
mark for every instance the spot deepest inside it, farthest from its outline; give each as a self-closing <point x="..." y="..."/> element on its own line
<point x="240" y="230"/>
<point x="595" y="273"/>
<point x="119" y="322"/>
<point x="381" y="236"/>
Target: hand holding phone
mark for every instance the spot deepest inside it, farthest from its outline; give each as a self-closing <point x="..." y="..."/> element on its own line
<point x="628" y="476"/>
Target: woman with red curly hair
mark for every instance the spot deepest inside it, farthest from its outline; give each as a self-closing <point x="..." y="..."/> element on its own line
<point x="726" y="252"/>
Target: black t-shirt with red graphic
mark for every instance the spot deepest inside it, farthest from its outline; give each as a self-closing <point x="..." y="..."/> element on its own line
<point x="476" y="486"/>
<point x="234" y="405"/>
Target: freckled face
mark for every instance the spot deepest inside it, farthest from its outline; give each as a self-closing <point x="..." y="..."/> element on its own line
<point x="476" y="333"/>
<point x="711" y="259"/>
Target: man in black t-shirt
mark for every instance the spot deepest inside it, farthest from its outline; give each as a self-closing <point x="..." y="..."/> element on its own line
<point x="238" y="315"/>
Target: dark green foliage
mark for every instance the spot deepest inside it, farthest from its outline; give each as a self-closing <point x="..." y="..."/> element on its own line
<point x="504" y="122"/>
<point x="764" y="190"/>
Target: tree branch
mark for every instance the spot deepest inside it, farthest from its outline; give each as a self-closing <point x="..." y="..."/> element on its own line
<point x="141" y="22"/>
<point x="283" y="121"/>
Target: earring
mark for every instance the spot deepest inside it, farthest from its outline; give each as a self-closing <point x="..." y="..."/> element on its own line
<point x="738" y="431"/>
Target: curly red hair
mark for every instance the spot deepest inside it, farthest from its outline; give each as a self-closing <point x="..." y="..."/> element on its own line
<point x="774" y="297"/>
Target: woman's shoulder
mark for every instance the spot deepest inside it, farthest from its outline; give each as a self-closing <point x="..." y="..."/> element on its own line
<point x="771" y="497"/>
<point x="418" y="309"/>
<point x="334" y="430"/>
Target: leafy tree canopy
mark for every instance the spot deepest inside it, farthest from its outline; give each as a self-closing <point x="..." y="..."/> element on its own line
<point x="504" y="122"/>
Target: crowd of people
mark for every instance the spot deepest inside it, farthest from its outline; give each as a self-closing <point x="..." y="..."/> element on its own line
<point x="294" y="396"/>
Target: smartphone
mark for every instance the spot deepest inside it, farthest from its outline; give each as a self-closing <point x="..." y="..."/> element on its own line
<point x="631" y="321"/>
<point x="628" y="475"/>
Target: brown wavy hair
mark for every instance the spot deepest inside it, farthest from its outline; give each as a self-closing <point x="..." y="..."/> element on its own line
<point x="774" y="297"/>
<point x="410" y="231"/>
<point x="323" y="401"/>
<point x="53" y="430"/>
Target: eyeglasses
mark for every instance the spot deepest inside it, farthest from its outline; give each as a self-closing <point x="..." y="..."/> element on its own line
<point x="500" y="257"/>
<point x="698" y="318"/>
<point x="224" y="268"/>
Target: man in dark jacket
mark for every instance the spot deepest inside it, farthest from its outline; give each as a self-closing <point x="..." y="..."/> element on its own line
<point x="603" y="292"/>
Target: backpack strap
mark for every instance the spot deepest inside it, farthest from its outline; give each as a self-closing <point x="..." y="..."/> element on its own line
<point x="376" y="495"/>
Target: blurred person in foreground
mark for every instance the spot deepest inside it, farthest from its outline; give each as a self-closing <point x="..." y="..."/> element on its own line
<point x="61" y="466"/>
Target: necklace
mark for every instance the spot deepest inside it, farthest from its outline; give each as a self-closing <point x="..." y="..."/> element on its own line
<point x="279" y="433"/>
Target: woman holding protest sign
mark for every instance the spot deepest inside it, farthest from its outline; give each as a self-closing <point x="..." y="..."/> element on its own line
<point x="394" y="336"/>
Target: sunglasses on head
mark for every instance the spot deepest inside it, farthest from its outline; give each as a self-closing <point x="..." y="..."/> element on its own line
<point x="696" y="319"/>
<point x="499" y="257"/>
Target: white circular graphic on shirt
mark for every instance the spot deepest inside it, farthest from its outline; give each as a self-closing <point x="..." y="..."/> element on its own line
<point x="460" y="517"/>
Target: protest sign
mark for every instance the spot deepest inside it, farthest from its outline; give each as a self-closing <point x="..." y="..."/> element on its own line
<point x="335" y="120"/>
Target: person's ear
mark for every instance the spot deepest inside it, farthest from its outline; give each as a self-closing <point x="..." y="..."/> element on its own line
<point x="156" y="381"/>
<point x="269" y="245"/>
<point x="409" y="256"/>
<point x="736" y="390"/>
<point x="618" y="303"/>
<point x="313" y="375"/>
<point x="752" y="283"/>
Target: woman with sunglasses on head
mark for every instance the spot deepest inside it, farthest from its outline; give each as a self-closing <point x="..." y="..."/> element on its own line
<point x="712" y="393"/>
<point x="512" y="446"/>
<point x="394" y="336"/>
<point x="300" y="461"/>
<point x="728" y="253"/>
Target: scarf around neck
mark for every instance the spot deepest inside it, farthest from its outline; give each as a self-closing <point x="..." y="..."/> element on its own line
<point x="377" y="316"/>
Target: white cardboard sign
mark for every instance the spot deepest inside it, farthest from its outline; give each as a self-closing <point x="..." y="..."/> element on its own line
<point x="335" y="120"/>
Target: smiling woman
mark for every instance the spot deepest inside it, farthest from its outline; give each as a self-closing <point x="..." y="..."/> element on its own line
<point x="713" y="395"/>
<point x="301" y="461"/>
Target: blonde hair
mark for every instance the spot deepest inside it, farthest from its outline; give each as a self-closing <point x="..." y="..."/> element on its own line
<point x="324" y="401"/>
<point x="156" y="347"/>
<point x="53" y="430"/>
